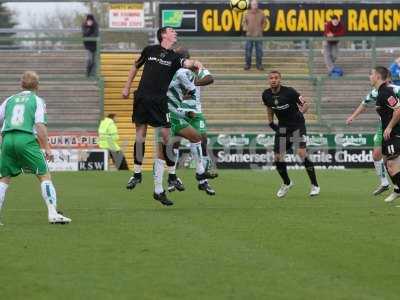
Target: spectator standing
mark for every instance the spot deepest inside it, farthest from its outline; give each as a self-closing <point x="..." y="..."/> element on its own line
<point x="109" y="138"/>
<point x="333" y="28"/>
<point x="90" y="29"/>
<point x="253" y="25"/>
<point x="395" y="71"/>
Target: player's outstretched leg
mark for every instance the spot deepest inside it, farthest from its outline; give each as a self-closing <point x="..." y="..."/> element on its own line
<point x="380" y="170"/>
<point x="50" y="198"/>
<point x="4" y="182"/>
<point x="206" y="159"/>
<point x="281" y="168"/>
<point x="396" y="192"/>
<point x="139" y="149"/>
<point x="174" y="182"/>
<point x="158" y="167"/>
<point x="205" y="186"/>
<point x="393" y="168"/>
<point x="309" y="166"/>
<point x="159" y="193"/>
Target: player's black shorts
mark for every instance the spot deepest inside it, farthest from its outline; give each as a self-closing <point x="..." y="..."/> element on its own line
<point x="287" y="137"/>
<point x="151" y="110"/>
<point x="391" y="147"/>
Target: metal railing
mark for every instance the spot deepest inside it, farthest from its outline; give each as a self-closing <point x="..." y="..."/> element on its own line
<point x="317" y="80"/>
<point x="66" y="41"/>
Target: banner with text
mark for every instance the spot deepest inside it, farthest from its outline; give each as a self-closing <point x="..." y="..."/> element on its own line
<point x="328" y="151"/>
<point x="283" y="19"/>
<point x="79" y="160"/>
<point x="73" y="139"/>
<point x="126" y="15"/>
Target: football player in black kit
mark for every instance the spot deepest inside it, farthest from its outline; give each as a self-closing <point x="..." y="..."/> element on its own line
<point x="388" y="109"/>
<point x="150" y="105"/>
<point x="288" y="106"/>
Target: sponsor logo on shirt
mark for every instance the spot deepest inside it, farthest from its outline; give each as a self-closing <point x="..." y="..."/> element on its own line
<point x="160" y="61"/>
<point x="282" y="107"/>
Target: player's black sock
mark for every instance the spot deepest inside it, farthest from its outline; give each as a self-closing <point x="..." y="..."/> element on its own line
<point x="172" y="176"/>
<point x="396" y="181"/>
<point x="282" y="170"/>
<point x="168" y="155"/>
<point x="396" y="190"/>
<point x="138" y="153"/>
<point x="309" y="165"/>
<point x="204" y="147"/>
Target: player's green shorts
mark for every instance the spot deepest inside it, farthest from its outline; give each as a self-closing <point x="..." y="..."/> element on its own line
<point x="20" y="151"/>
<point x="378" y="137"/>
<point x="178" y="123"/>
<point x="199" y="123"/>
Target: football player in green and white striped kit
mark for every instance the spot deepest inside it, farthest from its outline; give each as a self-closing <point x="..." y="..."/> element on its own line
<point x="24" y="133"/>
<point x="187" y="122"/>
<point x="370" y="101"/>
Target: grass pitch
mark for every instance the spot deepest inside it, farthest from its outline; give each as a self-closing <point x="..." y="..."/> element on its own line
<point x="243" y="243"/>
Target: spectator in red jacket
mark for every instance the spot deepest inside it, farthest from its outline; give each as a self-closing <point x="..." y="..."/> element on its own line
<point x="333" y="28"/>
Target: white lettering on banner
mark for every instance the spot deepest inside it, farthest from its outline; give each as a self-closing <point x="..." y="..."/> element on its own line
<point x="345" y="156"/>
<point x="317" y="140"/>
<point x="321" y="157"/>
<point x="350" y="140"/>
<point x="224" y="157"/>
<point x="228" y="140"/>
<point x="266" y="141"/>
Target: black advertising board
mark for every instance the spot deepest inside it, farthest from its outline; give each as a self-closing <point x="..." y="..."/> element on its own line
<point x="283" y="19"/>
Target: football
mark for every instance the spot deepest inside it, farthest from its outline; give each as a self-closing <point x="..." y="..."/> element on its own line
<point x="241" y="5"/>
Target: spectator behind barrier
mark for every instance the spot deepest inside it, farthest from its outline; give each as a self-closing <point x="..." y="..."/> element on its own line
<point x="90" y="29"/>
<point x="333" y="28"/>
<point x="395" y="71"/>
<point x="253" y="25"/>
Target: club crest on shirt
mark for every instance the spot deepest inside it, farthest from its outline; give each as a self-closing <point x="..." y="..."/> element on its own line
<point x="392" y="101"/>
<point x="276" y="101"/>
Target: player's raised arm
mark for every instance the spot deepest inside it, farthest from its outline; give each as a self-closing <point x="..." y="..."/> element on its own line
<point x="359" y="110"/>
<point x="133" y="71"/>
<point x="131" y="76"/>
<point x="203" y="81"/>
<point x="190" y="64"/>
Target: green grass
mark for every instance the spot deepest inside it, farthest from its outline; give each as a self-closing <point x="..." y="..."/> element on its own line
<point x="241" y="244"/>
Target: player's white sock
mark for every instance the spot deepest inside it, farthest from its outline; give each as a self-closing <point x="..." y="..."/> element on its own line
<point x="158" y="171"/>
<point x="49" y="196"/>
<point x="381" y="172"/>
<point x="3" y="190"/>
<point x="137" y="168"/>
<point x="172" y="169"/>
<point x="195" y="149"/>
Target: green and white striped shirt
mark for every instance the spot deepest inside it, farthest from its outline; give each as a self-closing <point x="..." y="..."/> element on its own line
<point x="182" y="86"/>
<point x="370" y="99"/>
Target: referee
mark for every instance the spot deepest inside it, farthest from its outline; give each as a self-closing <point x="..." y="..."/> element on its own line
<point x="388" y="109"/>
<point x="150" y="105"/>
<point x="288" y="106"/>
